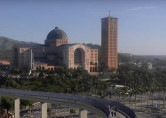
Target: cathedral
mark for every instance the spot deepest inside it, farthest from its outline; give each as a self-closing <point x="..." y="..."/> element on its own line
<point x="57" y="52"/>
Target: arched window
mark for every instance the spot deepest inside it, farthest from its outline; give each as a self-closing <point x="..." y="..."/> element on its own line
<point x="90" y="69"/>
<point x="79" y="56"/>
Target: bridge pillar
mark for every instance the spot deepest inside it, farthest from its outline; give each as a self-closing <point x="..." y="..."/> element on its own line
<point x="44" y="110"/>
<point x="17" y="108"/>
<point x="83" y="114"/>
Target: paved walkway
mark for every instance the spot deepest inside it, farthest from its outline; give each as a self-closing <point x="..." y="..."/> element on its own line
<point x="152" y="114"/>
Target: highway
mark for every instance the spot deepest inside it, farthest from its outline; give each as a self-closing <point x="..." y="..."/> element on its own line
<point x="95" y="105"/>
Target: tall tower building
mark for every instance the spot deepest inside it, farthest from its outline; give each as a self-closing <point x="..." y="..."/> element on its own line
<point x="109" y="42"/>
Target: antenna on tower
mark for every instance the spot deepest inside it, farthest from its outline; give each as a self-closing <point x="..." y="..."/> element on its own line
<point x="109" y="13"/>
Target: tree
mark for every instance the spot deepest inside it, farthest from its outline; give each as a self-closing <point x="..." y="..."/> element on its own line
<point x="7" y="103"/>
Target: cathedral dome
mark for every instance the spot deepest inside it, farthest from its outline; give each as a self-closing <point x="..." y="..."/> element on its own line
<point x="56" y="34"/>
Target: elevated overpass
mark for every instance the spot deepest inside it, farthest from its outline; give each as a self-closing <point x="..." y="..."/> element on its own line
<point x="95" y="105"/>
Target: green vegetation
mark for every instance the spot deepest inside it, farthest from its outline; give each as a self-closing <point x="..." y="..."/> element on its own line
<point x="135" y="80"/>
<point x="73" y="81"/>
<point x="61" y="81"/>
<point x="7" y="103"/>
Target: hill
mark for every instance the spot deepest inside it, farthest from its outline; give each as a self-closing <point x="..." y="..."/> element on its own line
<point x="158" y="61"/>
<point x="124" y="57"/>
<point x="7" y="43"/>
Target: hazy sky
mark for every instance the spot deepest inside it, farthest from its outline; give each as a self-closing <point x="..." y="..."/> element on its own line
<point x="142" y="23"/>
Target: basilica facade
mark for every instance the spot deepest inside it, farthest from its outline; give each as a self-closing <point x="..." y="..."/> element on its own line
<point x="55" y="53"/>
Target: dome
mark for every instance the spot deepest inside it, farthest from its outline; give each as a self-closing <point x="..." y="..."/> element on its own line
<point x="56" y="34"/>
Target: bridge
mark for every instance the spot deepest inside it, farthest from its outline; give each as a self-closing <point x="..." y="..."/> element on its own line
<point x="95" y="105"/>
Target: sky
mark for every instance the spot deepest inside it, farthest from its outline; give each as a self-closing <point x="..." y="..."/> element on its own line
<point x="141" y="23"/>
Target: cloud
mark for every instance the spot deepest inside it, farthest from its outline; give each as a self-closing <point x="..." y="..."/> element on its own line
<point x="142" y="8"/>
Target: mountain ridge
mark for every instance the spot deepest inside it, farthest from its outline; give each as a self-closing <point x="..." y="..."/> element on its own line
<point x="7" y="43"/>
